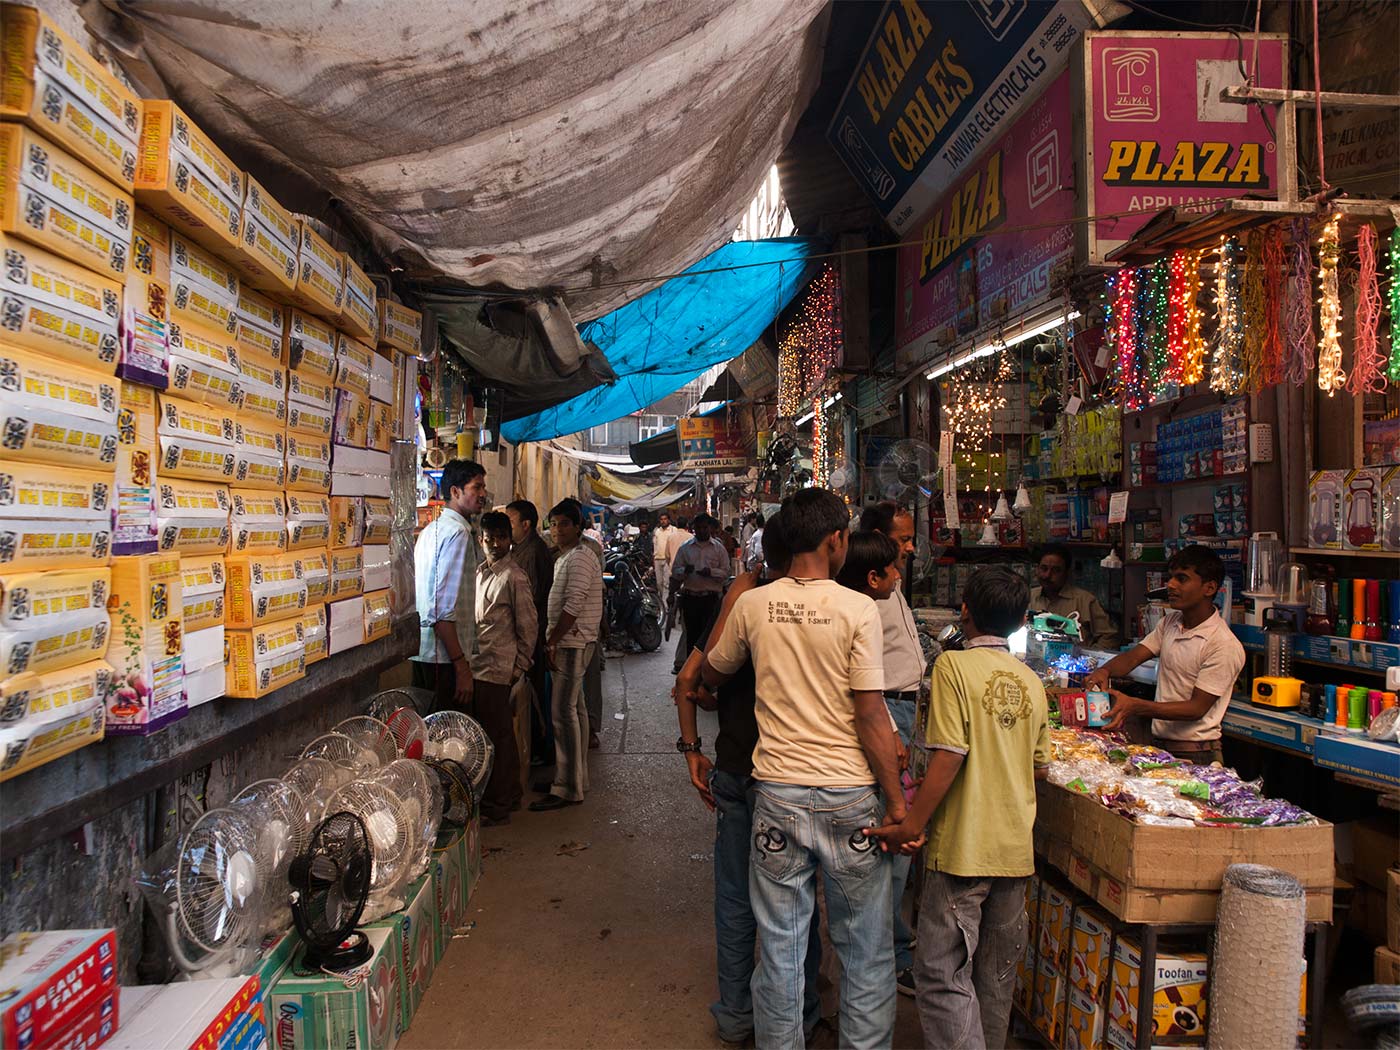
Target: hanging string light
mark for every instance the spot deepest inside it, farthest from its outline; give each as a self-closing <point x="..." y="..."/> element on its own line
<point x="811" y="344"/>
<point x="1274" y="262"/>
<point x="1367" y="364"/>
<point x="820" y="471"/>
<point x="1176" y="317"/>
<point x="1298" y="322"/>
<point x="1330" y="376"/>
<point x="1193" y="353"/>
<point x="1226" y="367"/>
<point x="1394" y="370"/>
<point x="1152" y="322"/>
<point x="1252" y="312"/>
<point x="1125" y="341"/>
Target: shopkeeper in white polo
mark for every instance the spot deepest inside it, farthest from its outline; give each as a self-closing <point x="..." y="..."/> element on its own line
<point x="1198" y="660"/>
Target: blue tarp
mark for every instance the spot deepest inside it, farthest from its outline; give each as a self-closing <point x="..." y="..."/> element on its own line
<point x="713" y="312"/>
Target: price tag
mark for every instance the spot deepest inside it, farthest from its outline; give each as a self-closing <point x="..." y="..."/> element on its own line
<point x="1074" y="405"/>
<point x="945" y="447"/>
<point x="950" y="497"/>
<point x="1118" y="508"/>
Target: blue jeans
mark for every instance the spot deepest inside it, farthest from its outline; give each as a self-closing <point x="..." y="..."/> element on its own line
<point x="902" y="711"/>
<point x="734" y="921"/>
<point x="795" y="830"/>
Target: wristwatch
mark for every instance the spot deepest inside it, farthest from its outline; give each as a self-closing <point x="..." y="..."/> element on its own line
<point x="683" y="747"/>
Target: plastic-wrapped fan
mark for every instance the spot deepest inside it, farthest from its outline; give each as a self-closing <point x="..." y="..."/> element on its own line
<point x="329" y="885"/>
<point x="315" y="780"/>
<point x="392" y="841"/>
<point x="382" y="705"/>
<point x="460" y="738"/>
<point x="220" y="887"/>
<point x="418" y="788"/>
<point x="925" y="556"/>
<point x="277" y="813"/>
<point x="844" y="479"/>
<point x="340" y="750"/>
<point x="409" y="730"/>
<point x="909" y="468"/>
<point x="372" y="736"/>
<point x="458" y="796"/>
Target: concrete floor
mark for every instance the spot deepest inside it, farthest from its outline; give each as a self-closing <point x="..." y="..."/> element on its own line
<point x="611" y="945"/>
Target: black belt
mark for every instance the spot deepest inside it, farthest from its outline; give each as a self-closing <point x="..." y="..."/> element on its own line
<point x="909" y="694"/>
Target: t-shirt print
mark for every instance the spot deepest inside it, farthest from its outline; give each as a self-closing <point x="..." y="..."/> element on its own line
<point x="796" y="612"/>
<point x="1004" y="697"/>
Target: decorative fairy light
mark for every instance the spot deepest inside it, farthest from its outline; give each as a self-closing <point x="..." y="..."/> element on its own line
<point x="1126" y="339"/>
<point x="1275" y="261"/>
<point x="1298" y="318"/>
<point x="1176" y="317"/>
<point x="811" y="343"/>
<point x="820" y="472"/>
<point x="1252" y="311"/>
<point x="1367" y="364"/>
<point x="1226" y="367"/>
<point x="1151" y="320"/>
<point x="969" y="404"/>
<point x="1330" y="376"/>
<point x="1193" y="354"/>
<point x="1394" y="253"/>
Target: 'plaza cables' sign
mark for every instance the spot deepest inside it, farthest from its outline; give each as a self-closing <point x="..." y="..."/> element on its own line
<point x="937" y="83"/>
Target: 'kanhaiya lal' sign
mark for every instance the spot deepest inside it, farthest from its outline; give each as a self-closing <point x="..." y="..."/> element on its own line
<point x="936" y="84"/>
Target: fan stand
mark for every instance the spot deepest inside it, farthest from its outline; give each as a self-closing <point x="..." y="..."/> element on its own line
<point x="355" y="950"/>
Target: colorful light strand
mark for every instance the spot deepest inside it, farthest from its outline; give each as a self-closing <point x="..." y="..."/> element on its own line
<point x="1176" y="317"/>
<point x="1253" y="309"/>
<point x="1367" y="366"/>
<point x="1152" y="325"/>
<point x="1330" y="376"/>
<point x="1126" y="340"/>
<point x="1226" y="367"/>
<point x="1298" y="320"/>
<point x="1394" y="253"/>
<point x="1274" y="263"/>
<point x="1193" y="354"/>
<point x="811" y="344"/>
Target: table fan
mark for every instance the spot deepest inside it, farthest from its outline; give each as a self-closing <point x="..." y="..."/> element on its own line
<point x="315" y="780"/>
<point x="277" y="813"/>
<point x="409" y="730"/>
<point x="455" y="786"/>
<point x="340" y="750"/>
<point x="460" y="738"/>
<point x="418" y="789"/>
<point x="393" y="842"/>
<point x="329" y="886"/>
<point x="219" y="895"/>
<point x="382" y="705"/>
<point x="371" y="736"/>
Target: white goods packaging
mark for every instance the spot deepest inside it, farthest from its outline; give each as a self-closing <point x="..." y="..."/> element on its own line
<point x="263" y="387"/>
<point x="308" y="463"/>
<point x="352" y="364"/>
<point x="381" y="379"/>
<point x="203" y="288"/>
<point x="377" y="573"/>
<point x="314" y="568"/>
<point x="259" y="448"/>
<point x="206" y="683"/>
<point x="203" y="365"/>
<point x="262" y="325"/>
<point x="196" y="441"/>
<point x="346" y="620"/>
<point x="315" y="633"/>
<point x="59" y="308"/>
<point x="259" y="521"/>
<point x="192" y="517"/>
<point x="359" y="472"/>
<point x="308" y="521"/>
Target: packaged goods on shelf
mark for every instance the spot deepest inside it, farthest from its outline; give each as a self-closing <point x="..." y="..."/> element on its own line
<point x="310" y="345"/>
<point x="52" y="199"/>
<point x="44" y="598"/>
<point x="400" y="329"/>
<point x="43" y="430"/>
<point x="1390" y="512"/>
<point x="55" y="978"/>
<point x="316" y="1009"/>
<point x="359" y="472"/>
<point x="260" y="448"/>
<point x="267" y="255"/>
<point x="192" y="517"/>
<point x="352" y="364"/>
<point x="347" y="522"/>
<point x="1362" y="509"/>
<point x="32" y="701"/>
<point x="351" y="419"/>
<point x="1048" y="1001"/>
<point x="307" y="388"/>
<point x="308" y="463"/>
<point x="311" y="421"/>
<point x="34" y="490"/>
<point x="378" y="615"/>
<point x="320" y="283"/>
<point x="347" y="573"/>
<point x="263" y="387"/>
<point x="186" y="180"/>
<point x="1326" y="509"/>
<point x="212" y="1012"/>
<point x="203" y="365"/>
<point x="378" y="517"/>
<point x="1090" y="939"/>
<point x="1056" y="928"/>
<point x="73" y="640"/>
<point x="381" y="379"/>
<point x="41" y="543"/>
<point x="145" y="644"/>
<point x="195" y="440"/>
<point x="206" y="683"/>
<point x="52" y="84"/>
<point x="314" y="631"/>
<point x="262" y="325"/>
<point x="380" y="435"/>
<point x="26" y="747"/>
<point x="346" y="624"/>
<point x="59" y="308"/>
<point x="145" y="317"/>
<point x="377" y="567"/>
<point x="201" y="592"/>
<point x="308" y="521"/>
<point x="359" y="314"/>
<point x="259" y="521"/>
<point x="262" y="588"/>
<point x="1084" y="1021"/>
<point x="203" y="288"/>
<point x="314" y="568"/>
<point x="1178" y="990"/>
<point x="264" y="658"/>
<point x="40" y="381"/>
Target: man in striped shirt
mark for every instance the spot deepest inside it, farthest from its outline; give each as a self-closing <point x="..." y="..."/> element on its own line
<point x="575" y="609"/>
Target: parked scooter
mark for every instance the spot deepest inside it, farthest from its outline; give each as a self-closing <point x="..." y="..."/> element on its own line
<point x="630" y="607"/>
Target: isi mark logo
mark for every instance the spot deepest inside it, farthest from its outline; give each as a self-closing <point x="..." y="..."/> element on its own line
<point x="1132" y="87"/>
<point x="1043" y="169"/>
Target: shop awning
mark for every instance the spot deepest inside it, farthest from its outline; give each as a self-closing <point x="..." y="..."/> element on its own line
<point x="711" y="313"/>
<point x="662" y="447"/>
<point x="623" y="496"/>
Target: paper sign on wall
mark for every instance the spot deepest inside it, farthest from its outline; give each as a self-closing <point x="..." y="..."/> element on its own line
<point x="1118" y="508"/>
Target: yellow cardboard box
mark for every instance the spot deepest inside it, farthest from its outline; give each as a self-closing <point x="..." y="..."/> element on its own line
<point x="1178" y="990"/>
<point x="203" y="288"/>
<point x="147" y="639"/>
<point x="347" y="573"/>
<point x="305" y="388"/>
<point x="196" y="441"/>
<point x="183" y="418"/>
<point x="54" y="200"/>
<point x="50" y="82"/>
<point x="378" y="517"/>
<point x="1091" y="941"/>
<point x="44" y="598"/>
<point x="145" y="345"/>
<point x="359" y="313"/>
<point x="317" y="641"/>
<point x="310" y="345"/>
<point x="351" y="419"/>
<point x="34" y="490"/>
<point x="1055" y="918"/>
<point x="186" y="180"/>
<point x="262" y="325"/>
<point x="267" y="257"/>
<point x="260" y="455"/>
<point x="263" y="383"/>
<point x="377" y="615"/>
<point x="58" y="308"/>
<point x="320" y="284"/>
<point x="26" y="747"/>
<point x="352" y="364"/>
<point x="51" y="647"/>
<point x="308" y="521"/>
<point x="203" y="365"/>
<point x="1084" y="1021"/>
<point x="264" y="658"/>
<point x="54" y="543"/>
<point x="311" y="421"/>
<point x="202" y="591"/>
<point x="39" y="698"/>
<point x="380" y="435"/>
<point x="191" y="517"/>
<point x="1048" y="1003"/>
<point x="36" y="380"/>
<point x="347" y="522"/>
<point x="259" y="521"/>
<point x="43" y="435"/>
<point x="308" y="463"/>
<point x="314" y="567"/>
<point x="262" y="588"/>
<point x="134" y="514"/>
<point x="400" y="328"/>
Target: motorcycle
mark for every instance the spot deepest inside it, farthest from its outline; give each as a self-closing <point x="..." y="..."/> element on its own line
<point x="630" y="607"/>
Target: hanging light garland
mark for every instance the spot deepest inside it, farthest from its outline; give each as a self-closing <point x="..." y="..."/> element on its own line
<point x="1298" y="318"/>
<point x="1394" y="370"/>
<point x="1193" y="352"/>
<point x="820" y="471"/>
<point x="1330" y="376"/>
<point x="1125" y="339"/>
<point x="1367" y="365"/>
<point x="811" y="343"/>
<point x="1253" y="308"/>
<point x="1152" y="323"/>
<point x="1176" y="317"/>
<point x="1275" y="260"/>
<point x="1226" y="367"/>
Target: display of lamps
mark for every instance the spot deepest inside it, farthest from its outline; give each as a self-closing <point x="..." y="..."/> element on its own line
<point x="1003" y="510"/>
<point x="989" y="535"/>
<point x="1022" y="503"/>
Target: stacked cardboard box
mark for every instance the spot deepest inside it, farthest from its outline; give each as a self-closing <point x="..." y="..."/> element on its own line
<point x="146" y="644"/>
<point x="60" y="988"/>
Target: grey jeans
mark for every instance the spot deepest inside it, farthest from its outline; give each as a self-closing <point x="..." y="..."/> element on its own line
<point x="571" y="724"/>
<point x="971" y="932"/>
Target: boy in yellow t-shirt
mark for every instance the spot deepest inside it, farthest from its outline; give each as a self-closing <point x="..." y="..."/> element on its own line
<point x="989" y="736"/>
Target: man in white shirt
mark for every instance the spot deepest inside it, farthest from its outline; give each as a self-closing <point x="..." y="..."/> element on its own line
<point x="575" y="608"/>
<point x="904" y="671"/>
<point x="506" y="634"/>
<point x="665" y="541"/>
<point x="825" y="768"/>
<point x="699" y="572"/>
<point x="444" y="565"/>
<point x="753" y="546"/>
<point x="1198" y="660"/>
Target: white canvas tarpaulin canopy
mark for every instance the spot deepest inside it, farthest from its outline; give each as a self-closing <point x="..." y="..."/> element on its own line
<point x="563" y="144"/>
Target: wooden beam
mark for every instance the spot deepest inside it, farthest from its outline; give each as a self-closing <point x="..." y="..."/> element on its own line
<point x="1335" y="99"/>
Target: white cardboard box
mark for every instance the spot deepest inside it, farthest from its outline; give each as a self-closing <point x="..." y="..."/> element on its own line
<point x="347" y="624"/>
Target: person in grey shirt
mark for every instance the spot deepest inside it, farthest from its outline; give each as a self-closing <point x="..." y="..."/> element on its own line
<point x="699" y="573"/>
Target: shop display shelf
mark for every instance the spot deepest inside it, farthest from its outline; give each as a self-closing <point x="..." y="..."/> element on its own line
<point x="1212" y="479"/>
<point x="1271" y="726"/>
<point x="1329" y="650"/>
<point x="1326" y="553"/>
<point x="1359" y="760"/>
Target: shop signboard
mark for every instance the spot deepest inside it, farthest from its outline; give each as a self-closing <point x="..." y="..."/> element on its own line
<point x="710" y="443"/>
<point x="937" y="82"/>
<point x="988" y="248"/>
<point x="1156" y="133"/>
